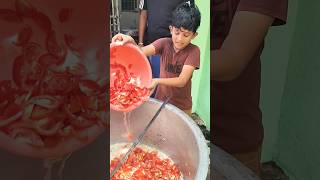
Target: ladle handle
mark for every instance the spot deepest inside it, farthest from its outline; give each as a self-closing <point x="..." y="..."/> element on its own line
<point x="138" y="140"/>
<point x="152" y="120"/>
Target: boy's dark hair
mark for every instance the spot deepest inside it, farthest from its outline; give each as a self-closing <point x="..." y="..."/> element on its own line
<point x="187" y="16"/>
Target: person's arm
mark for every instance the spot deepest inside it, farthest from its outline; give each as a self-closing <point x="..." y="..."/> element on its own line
<point x="148" y="50"/>
<point x="123" y="39"/>
<point x="142" y="26"/>
<point x="180" y="81"/>
<point x="247" y="32"/>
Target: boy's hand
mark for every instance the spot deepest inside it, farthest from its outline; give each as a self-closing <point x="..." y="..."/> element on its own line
<point x="122" y="39"/>
<point x="153" y="85"/>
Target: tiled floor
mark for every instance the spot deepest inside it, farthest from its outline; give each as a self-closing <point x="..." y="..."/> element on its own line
<point x="270" y="171"/>
<point x="201" y="125"/>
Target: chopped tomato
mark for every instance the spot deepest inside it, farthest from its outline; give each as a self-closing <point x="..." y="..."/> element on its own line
<point x="57" y="83"/>
<point x="10" y="15"/>
<point x="24" y="8"/>
<point x="48" y="59"/>
<point x="89" y="87"/>
<point x="24" y="36"/>
<point x="73" y="43"/>
<point x="53" y="46"/>
<point x="42" y="21"/>
<point x="64" y="14"/>
<point x="49" y="98"/>
<point x="26" y="73"/>
<point x="126" y="91"/>
<point x="145" y="165"/>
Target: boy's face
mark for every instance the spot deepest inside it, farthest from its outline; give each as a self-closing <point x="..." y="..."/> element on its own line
<point x="181" y="37"/>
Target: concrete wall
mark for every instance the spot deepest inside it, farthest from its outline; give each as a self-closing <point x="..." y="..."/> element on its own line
<point x="298" y="144"/>
<point x="201" y="78"/>
<point x="290" y="93"/>
<point x="274" y="62"/>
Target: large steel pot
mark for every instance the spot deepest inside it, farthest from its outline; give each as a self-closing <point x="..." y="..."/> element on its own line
<point x="173" y="132"/>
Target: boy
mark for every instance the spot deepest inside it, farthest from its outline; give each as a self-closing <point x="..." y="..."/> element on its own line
<point x="154" y="20"/>
<point x="179" y="58"/>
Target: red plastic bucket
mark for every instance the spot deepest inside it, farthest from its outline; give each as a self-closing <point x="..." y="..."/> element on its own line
<point x="135" y="62"/>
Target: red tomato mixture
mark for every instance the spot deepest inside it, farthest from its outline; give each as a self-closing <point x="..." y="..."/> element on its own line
<point x="126" y="90"/>
<point x="47" y="101"/>
<point x="144" y="165"/>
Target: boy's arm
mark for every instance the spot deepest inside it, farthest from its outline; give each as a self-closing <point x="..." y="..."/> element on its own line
<point x="148" y="50"/>
<point x="180" y="81"/>
<point x="247" y="32"/>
